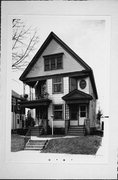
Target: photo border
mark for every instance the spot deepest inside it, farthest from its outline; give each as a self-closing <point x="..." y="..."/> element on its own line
<point x="6" y="94"/>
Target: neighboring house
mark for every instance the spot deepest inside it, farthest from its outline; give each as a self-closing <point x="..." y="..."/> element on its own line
<point x="65" y="90"/>
<point x="17" y="113"/>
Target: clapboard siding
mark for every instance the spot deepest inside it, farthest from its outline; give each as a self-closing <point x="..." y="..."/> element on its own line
<point x="57" y="99"/>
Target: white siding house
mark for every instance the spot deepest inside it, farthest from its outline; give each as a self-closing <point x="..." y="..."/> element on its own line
<point x="65" y="90"/>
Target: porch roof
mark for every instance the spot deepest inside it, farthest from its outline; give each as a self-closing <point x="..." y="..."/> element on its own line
<point x="77" y="96"/>
<point x="35" y="103"/>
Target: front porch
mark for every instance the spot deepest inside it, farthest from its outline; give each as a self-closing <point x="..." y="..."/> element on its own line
<point x="77" y="106"/>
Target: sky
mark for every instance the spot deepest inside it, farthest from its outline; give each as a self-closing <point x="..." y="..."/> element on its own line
<point x="87" y="37"/>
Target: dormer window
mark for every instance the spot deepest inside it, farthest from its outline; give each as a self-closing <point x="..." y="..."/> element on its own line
<point x="53" y="62"/>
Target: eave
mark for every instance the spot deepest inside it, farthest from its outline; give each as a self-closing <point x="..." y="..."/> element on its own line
<point x="35" y="103"/>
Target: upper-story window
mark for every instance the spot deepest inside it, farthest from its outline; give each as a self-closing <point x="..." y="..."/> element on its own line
<point x="53" y="62"/>
<point x="57" y="83"/>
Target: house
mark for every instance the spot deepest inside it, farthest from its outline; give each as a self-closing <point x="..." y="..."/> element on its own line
<point x="64" y="86"/>
<point x="17" y="113"/>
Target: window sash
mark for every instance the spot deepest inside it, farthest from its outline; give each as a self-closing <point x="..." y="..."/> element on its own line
<point x="47" y="64"/>
<point x="57" y="85"/>
<point x="83" y="111"/>
<point x="53" y="63"/>
<point x="58" y="112"/>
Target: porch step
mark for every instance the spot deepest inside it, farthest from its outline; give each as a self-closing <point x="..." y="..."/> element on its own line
<point x="36" y="131"/>
<point x="35" y="144"/>
<point x="76" y="130"/>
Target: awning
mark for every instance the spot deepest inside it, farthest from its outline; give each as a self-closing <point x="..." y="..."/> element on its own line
<point x="77" y="96"/>
<point x="35" y="103"/>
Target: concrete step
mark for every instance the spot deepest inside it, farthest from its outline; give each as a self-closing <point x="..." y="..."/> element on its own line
<point x="76" y="127"/>
<point x="36" y="131"/>
<point x="30" y="148"/>
<point x="35" y="144"/>
<point x="76" y="130"/>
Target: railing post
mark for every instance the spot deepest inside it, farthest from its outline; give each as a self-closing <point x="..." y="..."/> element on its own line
<point x="87" y="126"/>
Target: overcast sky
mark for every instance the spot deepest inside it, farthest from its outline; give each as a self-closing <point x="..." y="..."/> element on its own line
<point x="87" y="37"/>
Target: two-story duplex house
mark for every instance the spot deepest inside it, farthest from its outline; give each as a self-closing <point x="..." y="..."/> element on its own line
<point x="65" y="90"/>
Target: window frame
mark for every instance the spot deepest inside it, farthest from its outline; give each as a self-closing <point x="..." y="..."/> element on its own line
<point x="60" y="119"/>
<point x="83" y="111"/>
<point x="50" y="59"/>
<point x="54" y="83"/>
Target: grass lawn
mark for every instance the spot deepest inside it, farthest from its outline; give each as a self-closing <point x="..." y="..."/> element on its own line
<point x="68" y="145"/>
<point x="74" y="145"/>
<point x="17" y="143"/>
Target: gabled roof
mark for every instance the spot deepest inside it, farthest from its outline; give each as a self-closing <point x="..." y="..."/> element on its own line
<point x="43" y="47"/>
<point x="77" y="95"/>
<point x="69" y="50"/>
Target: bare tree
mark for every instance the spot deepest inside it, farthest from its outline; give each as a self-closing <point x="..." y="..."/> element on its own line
<point x="23" y="43"/>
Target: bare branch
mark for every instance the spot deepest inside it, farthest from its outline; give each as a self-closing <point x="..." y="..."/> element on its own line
<point x="24" y="42"/>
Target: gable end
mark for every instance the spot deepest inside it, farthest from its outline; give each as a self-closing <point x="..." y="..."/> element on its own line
<point x="44" y="45"/>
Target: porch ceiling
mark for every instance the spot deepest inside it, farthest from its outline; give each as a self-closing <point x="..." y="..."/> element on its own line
<point x="35" y="103"/>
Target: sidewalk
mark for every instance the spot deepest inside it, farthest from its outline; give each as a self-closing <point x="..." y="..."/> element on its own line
<point x="101" y="149"/>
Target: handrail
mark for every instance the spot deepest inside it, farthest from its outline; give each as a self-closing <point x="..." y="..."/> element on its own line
<point x="26" y="136"/>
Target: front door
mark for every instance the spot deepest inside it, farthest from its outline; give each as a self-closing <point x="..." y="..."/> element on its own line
<point x="82" y="114"/>
<point x="74" y="110"/>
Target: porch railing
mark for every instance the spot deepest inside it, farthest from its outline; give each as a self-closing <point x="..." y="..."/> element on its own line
<point x="37" y="97"/>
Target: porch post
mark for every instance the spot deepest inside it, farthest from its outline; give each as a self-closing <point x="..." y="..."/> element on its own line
<point x="67" y="121"/>
<point x="24" y="85"/>
<point x="30" y="92"/>
<point x="52" y="116"/>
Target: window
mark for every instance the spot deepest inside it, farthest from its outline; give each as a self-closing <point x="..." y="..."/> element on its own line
<point x="72" y="84"/>
<point x="47" y="65"/>
<point x="82" y="84"/>
<point x="82" y="111"/>
<point x="53" y="62"/>
<point x="57" y="85"/>
<point x="58" y="112"/>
